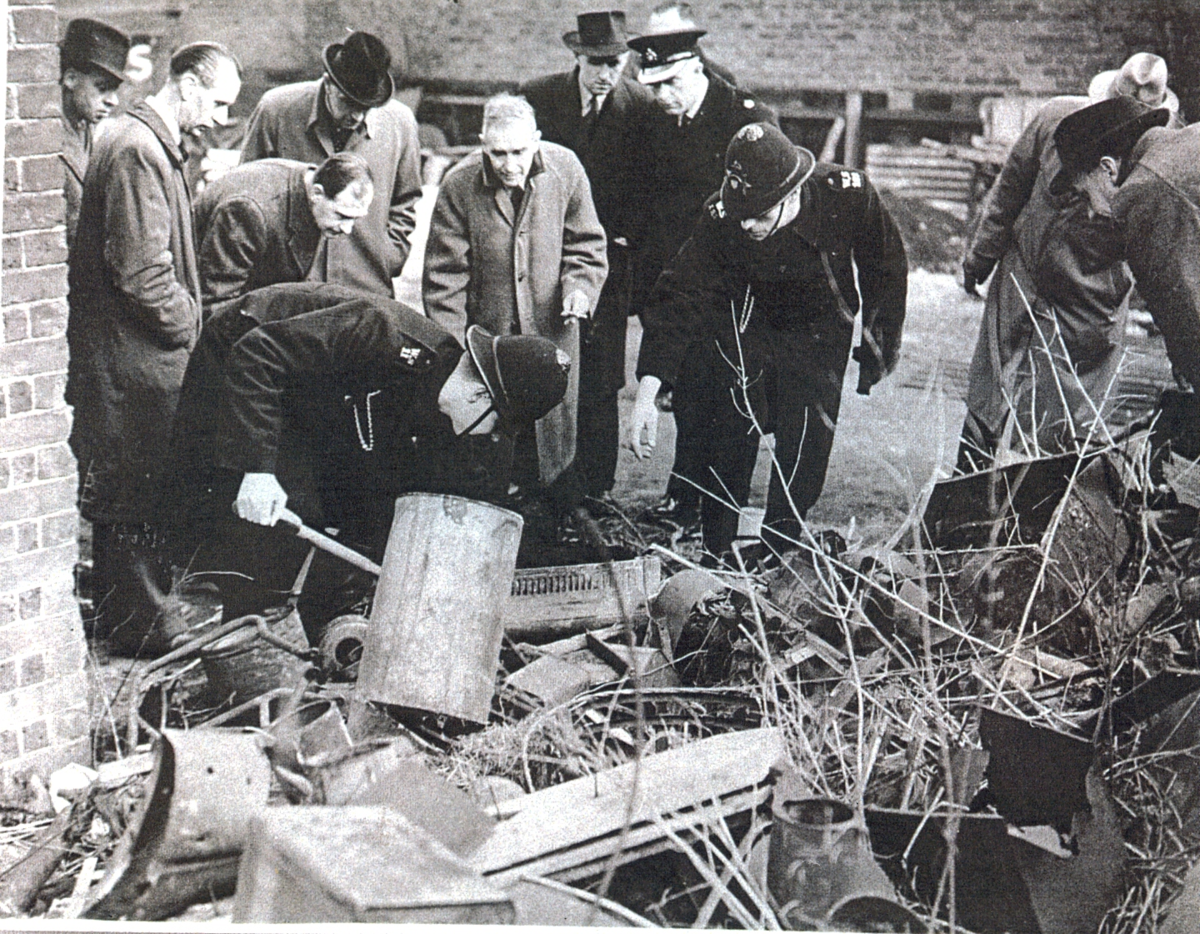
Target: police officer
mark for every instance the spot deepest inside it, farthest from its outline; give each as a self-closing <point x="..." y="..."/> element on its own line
<point x="331" y="402"/>
<point x="700" y="113"/>
<point x="769" y="275"/>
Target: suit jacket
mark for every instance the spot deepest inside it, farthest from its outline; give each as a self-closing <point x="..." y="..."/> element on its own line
<point x="134" y="313"/>
<point x="612" y="154"/>
<point x="509" y="274"/>
<point x="254" y="228"/>
<point x="291" y="122"/>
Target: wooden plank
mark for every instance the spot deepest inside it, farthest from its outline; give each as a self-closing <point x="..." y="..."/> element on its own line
<point x="565" y="819"/>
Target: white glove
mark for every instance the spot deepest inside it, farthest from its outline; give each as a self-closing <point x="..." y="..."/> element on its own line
<point x="260" y="499"/>
<point x="576" y="305"/>
<point x="644" y="419"/>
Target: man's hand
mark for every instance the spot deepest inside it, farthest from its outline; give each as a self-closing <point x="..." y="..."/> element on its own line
<point x="260" y="499"/>
<point x="644" y="420"/>
<point x="576" y="305"/>
<point x="976" y="269"/>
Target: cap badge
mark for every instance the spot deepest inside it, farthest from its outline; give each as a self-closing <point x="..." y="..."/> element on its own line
<point x="751" y="133"/>
<point x="650" y="56"/>
<point x="562" y="359"/>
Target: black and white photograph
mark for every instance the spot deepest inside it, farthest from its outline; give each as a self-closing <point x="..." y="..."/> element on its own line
<point x="720" y="464"/>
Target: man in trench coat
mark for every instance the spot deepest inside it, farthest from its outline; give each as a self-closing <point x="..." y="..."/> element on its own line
<point x="515" y="246"/>
<point x="134" y="317"/>
<point x="263" y="223"/>
<point x="604" y="118"/>
<point x="351" y="108"/>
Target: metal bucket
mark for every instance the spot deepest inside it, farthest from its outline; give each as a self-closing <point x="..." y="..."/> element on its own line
<point x="242" y="665"/>
<point x="433" y="642"/>
<point x="820" y="853"/>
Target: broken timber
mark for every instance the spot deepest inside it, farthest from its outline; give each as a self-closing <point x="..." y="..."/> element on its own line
<point x="570" y="831"/>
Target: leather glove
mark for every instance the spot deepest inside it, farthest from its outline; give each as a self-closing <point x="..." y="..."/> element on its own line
<point x="976" y="269"/>
<point x="870" y="370"/>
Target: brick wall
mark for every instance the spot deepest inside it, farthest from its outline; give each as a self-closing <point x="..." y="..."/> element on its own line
<point x="43" y="692"/>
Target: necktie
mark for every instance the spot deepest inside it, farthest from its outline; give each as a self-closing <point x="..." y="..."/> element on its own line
<point x="515" y="195"/>
<point x="591" y="115"/>
<point x="341" y="136"/>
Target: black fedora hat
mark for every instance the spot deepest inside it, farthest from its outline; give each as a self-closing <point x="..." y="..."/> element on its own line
<point x="93" y="46"/>
<point x="1108" y="128"/>
<point x="599" y="34"/>
<point x="361" y="68"/>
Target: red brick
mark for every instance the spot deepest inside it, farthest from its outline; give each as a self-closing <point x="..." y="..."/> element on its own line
<point x="41" y="173"/>
<point x="38" y="500"/>
<point x="55" y="461"/>
<point x="48" y="390"/>
<point x="8" y="541"/>
<point x="16" y="327"/>
<point x="10" y="102"/>
<point x="20" y="637"/>
<point x="29" y="603"/>
<point x="8" y="613"/>
<point x="41" y="356"/>
<point x="48" y="319"/>
<point x="58" y="529"/>
<point x="12" y="175"/>
<point x="45" y="248"/>
<point x="12" y="253"/>
<point x="34" y="25"/>
<point x="20" y="399"/>
<point x="10" y="747"/>
<point x="70" y="724"/>
<point x="33" y="669"/>
<point x="35" y="211"/>
<point x="32" y="137"/>
<point x="24" y="468"/>
<point x="8" y="677"/>
<point x="31" y="65"/>
<point x="32" y="431"/>
<point x="4" y="474"/>
<point x="27" y="537"/>
<point x="35" y="735"/>
<point x="37" y="565"/>
<point x="31" y="285"/>
<point x="37" y="101"/>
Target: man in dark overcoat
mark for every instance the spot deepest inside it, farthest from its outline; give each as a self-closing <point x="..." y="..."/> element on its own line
<point x="351" y="109"/>
<point x="135" y="316"/>
<point x="773" y="272"/>
<point x="605" y="119"/>
<point x="331" y="402"/>
<point x="91" y="61"/>
<point x="687" y="151"/>
<point x="1120" y="156"/>
<point x="263" y="222"/>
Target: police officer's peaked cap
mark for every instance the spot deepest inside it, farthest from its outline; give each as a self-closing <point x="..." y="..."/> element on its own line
<point x="361" y="67"/>
<point x="1108" y="128"/>
<point x="762" y="167"/>
<point x="664" y="54"/>
<point x="525" y="375"/>
<point x="92" y="46"/>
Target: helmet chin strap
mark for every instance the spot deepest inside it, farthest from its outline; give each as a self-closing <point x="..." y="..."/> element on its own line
<point x="475" y="424"/>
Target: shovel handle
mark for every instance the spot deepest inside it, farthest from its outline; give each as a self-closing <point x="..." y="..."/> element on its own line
<point x="325" y="543"/>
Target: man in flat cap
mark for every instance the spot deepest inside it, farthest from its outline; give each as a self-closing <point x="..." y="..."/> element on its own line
<point x="91" y="60"/>
<point x="687" y="150"/>
<point x="1053" y="328"/>
<point x="1120" y="156"/>
<point x="604" y="118"/>
<point x="779" y="264"/>
<point x="135" y="315"/>
<point x="351" y="109"/>
<point x="332" y="402"/>
<point x="263" y="222"/>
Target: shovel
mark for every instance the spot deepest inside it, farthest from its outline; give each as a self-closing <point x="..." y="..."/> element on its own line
<point x="325" y="543"/>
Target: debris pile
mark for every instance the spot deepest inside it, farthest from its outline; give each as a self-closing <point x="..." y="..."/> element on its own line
<point x="992" y="729"/>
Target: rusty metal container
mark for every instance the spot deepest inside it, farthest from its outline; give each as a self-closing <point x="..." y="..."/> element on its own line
<point x="438" y="618"/>
<point x="242" y="665"/>
<point x="322" y="864"/>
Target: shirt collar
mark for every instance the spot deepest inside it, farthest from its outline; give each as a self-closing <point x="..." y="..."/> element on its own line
<point x="168" y="119"/>
<point x="691" y="112"/>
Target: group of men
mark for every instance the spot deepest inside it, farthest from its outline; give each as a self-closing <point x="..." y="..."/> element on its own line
<point x="244" y="354"/>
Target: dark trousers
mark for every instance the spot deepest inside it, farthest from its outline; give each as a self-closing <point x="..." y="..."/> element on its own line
<point x="601" y="376"/>
<point x="129" y="579"/>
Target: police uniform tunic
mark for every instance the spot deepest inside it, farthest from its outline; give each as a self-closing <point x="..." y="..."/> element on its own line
<point x="783" y="309"/>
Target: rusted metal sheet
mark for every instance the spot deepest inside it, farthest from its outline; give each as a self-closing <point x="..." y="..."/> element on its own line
<point x="329" y="864"/>
<point x="185" y="844"/>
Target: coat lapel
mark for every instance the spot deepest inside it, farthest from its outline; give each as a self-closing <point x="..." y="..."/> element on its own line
<point x="146" y="114"/>
<point x="74" y="152"/>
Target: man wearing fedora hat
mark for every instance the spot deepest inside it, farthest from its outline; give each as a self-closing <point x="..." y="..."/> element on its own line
<point x="332" y="402"/>
<point x="350" y="108"/>
<point x="91" y="68"/>
<point x="701" y="113"/>
<point x="779" y="264"/>
<point x="1120" y="157"/>
<point x="1143" y="77"/>
<point x="1053" y="328"/>
<point x="604" y="117"/>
